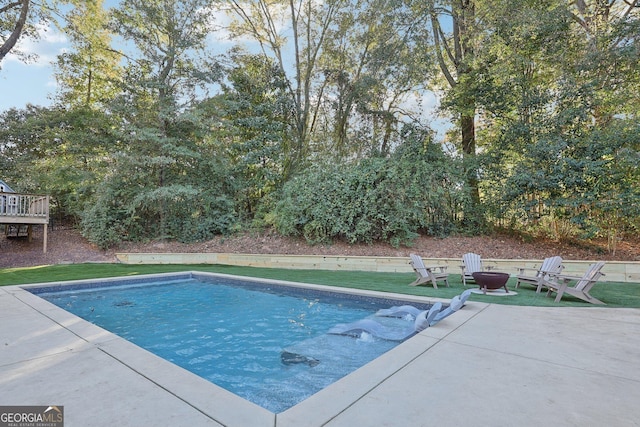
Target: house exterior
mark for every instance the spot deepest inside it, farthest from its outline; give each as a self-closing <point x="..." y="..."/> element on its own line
<point x="4" y="187"/>
<point x="4" y="200"/>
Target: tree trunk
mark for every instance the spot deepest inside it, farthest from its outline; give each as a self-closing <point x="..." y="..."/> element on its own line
<point x="468" y="130"/>
<point x="455" y="54"/>
<point x="15" y="35"/>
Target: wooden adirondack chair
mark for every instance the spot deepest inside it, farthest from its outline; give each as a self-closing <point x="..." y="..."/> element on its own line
<point x="428" y="274"/>
<point x="551" y="265"/>
<point x="471" y="263"/>
<point x="560" y="284"/>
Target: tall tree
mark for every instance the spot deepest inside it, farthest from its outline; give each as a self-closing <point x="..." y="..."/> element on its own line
<point x="456" y="36"/>
<point x="604" y="81"/>
<point x="252" y="122"/>
<point x="293" y="33"/>
<point x="88" y="74"/>
<point x="560" y="100"/>
<point x="518" y="85"/>
<point x="161" y="168"/>
<point x="66" y="153"/>
<point x="607" y="32"/>
<point x="370" y="90"/>
<point x="168" y="65"/>
<point x="18" y="19"/>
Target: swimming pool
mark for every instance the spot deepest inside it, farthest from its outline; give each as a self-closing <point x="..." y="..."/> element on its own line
<point x="234" y="332"/>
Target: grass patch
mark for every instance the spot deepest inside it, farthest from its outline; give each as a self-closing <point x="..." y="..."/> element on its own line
<point x="612" y="293"/>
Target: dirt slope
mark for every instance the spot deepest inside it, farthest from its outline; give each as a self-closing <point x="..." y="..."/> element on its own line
<point x="66" y="245"/>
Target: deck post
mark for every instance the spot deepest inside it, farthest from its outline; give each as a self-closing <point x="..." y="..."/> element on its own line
<point x="45" y="226"/>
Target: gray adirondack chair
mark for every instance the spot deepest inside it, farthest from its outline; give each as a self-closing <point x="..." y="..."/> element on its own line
<point x="560" y="284"/>
<point x="536" y="277"/>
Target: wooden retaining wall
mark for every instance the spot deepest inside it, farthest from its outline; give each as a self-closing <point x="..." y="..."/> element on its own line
<point x="615" y="271"/>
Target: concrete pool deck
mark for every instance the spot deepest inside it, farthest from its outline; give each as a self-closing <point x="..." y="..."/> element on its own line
<point x="487" y="365"/>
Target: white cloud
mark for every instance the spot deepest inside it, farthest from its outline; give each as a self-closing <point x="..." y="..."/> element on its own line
<point x="43" y="50"/>
<point x="220" y="34"/>
<point x="225" y="16"/>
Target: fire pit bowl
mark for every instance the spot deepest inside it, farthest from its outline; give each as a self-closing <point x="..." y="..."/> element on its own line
<point x="488" y="280"/>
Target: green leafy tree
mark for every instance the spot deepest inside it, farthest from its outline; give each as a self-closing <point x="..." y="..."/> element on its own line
<point x="368" y="90"/>
<point x="252" y="120"/>
<point x="457" y="34"/>
<point x="20" y="131"/>
<point x="166" y="181"/>
<point x="607" y="34"/>
<point x="13" y="18"/>
<point x="65" y="154"/>
<point x="562" y="102"/>
<point x="293" y="33"/>
<point x="88" y="74"/>
<point x="21" y="19"/>
<point x="518" y="84"/>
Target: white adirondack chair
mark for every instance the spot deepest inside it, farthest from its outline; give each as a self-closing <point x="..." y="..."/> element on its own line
<point x="471" y="263"/>
<point x="428" y="274"/>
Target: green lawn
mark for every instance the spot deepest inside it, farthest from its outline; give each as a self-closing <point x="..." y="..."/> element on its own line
<point x="613" y="294"/>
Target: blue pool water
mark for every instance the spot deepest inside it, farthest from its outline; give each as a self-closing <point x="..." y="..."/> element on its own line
<point x="235" y="333"/>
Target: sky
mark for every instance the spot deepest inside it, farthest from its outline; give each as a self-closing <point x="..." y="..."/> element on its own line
<point x="22" y="84"/>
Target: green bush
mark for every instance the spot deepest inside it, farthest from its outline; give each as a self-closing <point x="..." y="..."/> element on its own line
<point x="190" y="206"/>
<point x="378" y="199"/>
<point x="105" y="221"/>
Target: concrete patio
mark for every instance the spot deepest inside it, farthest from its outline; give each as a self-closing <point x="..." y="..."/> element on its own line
<point x="487" y="365"/>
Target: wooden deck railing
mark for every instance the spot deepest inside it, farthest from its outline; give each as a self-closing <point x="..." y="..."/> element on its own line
<point x="25" y="209"/>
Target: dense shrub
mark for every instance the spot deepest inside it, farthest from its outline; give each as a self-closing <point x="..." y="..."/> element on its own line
<point x="387" y="199"/>
<point x="127" y="208"/>
<point x="105" y="221"/>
